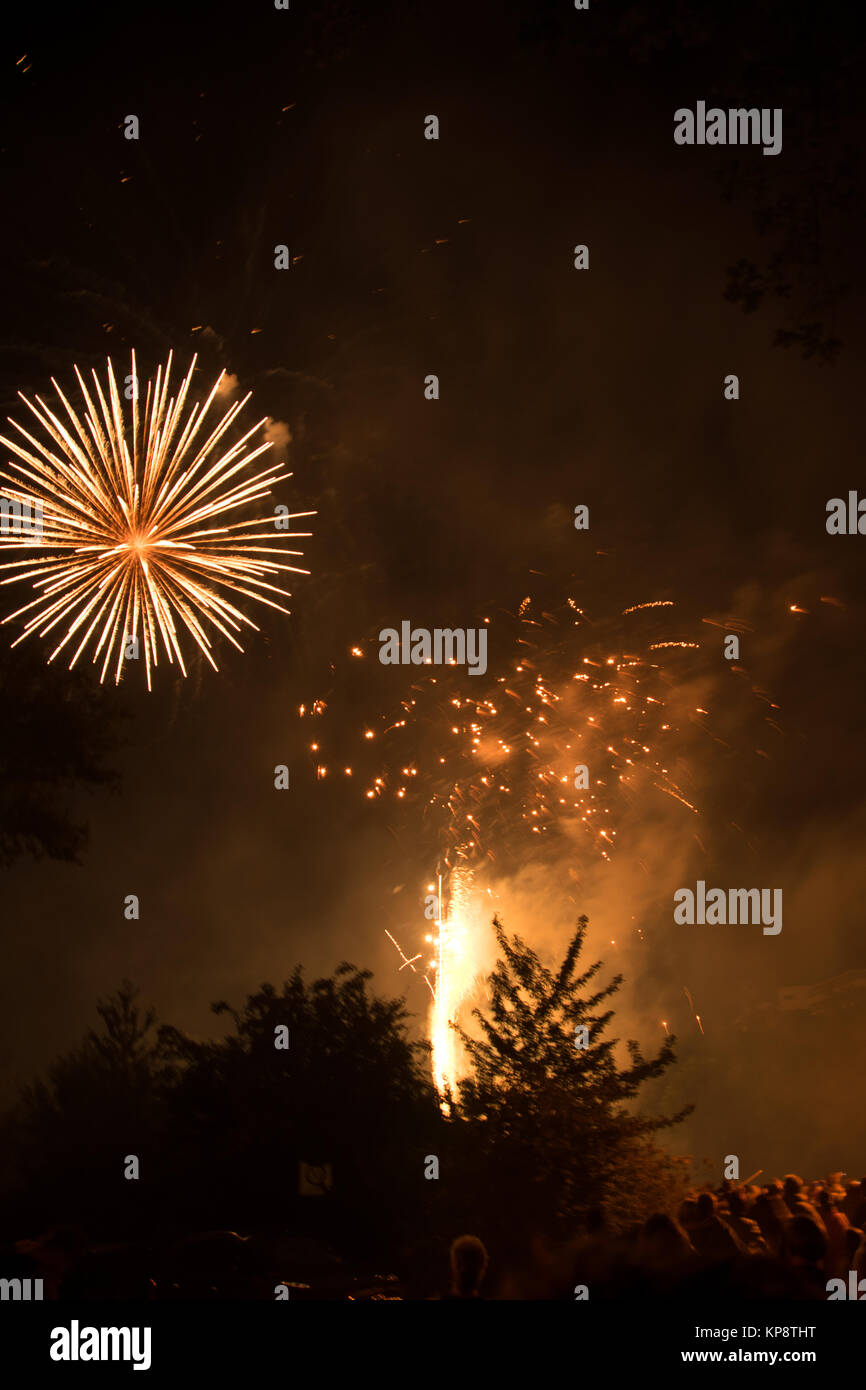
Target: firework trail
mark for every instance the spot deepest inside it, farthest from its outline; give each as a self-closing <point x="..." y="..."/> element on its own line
<point x="132" y="538"/>
<point x="449" y="975"/>
<point x="456" y="969"/>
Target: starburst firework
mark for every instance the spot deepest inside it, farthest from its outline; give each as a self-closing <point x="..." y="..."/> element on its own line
<point x="127" y="545"/>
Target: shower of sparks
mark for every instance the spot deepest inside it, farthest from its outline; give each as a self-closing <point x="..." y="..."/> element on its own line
<point x="454" y="970"/>
<point x="132" y="547"/>
<point x="494" y="774"/>
<point x="493" y="768"/>
<point x="455" y="973"/>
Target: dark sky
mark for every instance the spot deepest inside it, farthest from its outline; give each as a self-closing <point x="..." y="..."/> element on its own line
<point x="557" y="387"/>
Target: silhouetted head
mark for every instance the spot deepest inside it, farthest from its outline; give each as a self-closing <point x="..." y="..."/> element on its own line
<point x="468" y="1265"/>
<point x="792" y="1187"/>
<point x="804" y="1242"/>
<point x="688" y="1212"/>
<point x="706" y="1206"/>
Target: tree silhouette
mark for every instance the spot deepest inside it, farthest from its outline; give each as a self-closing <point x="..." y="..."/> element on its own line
<point x="67" y="1137"/>
<point x="221" y="1125"/>
<point x="549" y="1120"/>
<point x="350" y="1091"/>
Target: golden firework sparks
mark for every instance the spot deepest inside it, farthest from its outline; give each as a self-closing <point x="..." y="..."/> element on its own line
<point x="454" y="969"/>
<point x="653" y="603"/>
<point x="132" y="542"/>
<point x="547" y="759"/>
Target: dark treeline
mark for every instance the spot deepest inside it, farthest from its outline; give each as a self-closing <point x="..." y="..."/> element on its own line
<point x="325" y="1075"/>
<point x="306" y="1150"/>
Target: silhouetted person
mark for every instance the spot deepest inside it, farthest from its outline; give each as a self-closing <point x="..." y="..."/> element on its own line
<point x="804" y="1246"/>
<point x="792" y="1191"/>
<point x="711" y="1236"/>
<point x="858" y="1217"/>
<point x="853" y="1244"/>
<point x="468" y="1267"/>
<point x="772" y="1216"/>
<point x="745" y="1227"/>
<point x="688" y="1213"/>
<point x="852" y="1202"/>
<point x="836" y="1224"/>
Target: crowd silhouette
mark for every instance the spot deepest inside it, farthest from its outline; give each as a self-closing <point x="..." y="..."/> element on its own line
<point x="789" y="1239"/>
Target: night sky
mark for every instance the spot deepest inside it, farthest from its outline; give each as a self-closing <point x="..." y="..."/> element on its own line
<point x="558" y="387"/>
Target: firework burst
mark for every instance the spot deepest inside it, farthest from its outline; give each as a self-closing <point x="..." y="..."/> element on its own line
<point x="562" y="740"/>
<point x="132" y="545"/>
<point x="576" y="735"/>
